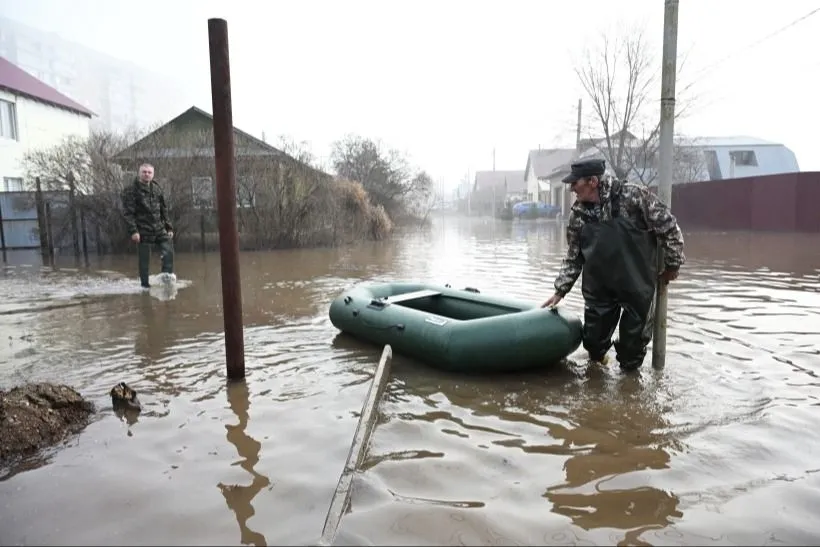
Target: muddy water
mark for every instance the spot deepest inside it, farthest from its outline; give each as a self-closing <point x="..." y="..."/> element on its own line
<point x="721" y="447"/>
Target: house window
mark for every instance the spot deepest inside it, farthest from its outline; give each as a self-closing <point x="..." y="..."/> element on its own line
<point x="8" y="120"/>
<point x="744" y="157"/>
<point x="202" y="191"/>
<point x="12" y="184"/>
<point x="245" y="195"/>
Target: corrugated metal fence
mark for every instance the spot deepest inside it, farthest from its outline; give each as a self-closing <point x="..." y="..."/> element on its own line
<point x="778" y="203"/>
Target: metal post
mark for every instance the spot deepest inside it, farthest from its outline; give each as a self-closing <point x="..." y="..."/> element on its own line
<point x="84" y="234"/>
<point x="2" y="234"/>
<point x="226" y="197"/>
<point x="72" y="212"/>
<point x="41" y="218"/>
<point x="665" y="159"/>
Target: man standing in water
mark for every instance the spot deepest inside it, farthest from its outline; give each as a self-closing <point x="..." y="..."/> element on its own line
<point x="612" y="234"/>
<point x="147" y="217"/>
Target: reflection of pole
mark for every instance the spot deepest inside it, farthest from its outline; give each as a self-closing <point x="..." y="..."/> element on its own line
<point x="667" y="127"/>
<point x="240" y="498"/>
<point x="226" y="197"/>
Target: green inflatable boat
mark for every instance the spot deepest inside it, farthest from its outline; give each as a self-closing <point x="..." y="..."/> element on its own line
<point x="457" y="330"/>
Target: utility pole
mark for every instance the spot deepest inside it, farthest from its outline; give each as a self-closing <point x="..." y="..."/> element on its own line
<point x="493" y="158"/>
<point x="578" y="130"/>
<point x="665" y="159"/>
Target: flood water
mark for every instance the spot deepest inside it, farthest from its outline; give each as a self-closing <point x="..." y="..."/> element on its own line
<point x="721" y="447"/>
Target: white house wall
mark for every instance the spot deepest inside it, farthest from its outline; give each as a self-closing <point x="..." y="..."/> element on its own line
<point x="38" y="125"/>
<point x="771" y="160"/>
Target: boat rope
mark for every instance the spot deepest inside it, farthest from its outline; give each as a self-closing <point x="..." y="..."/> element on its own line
<point x="340" y="502"/>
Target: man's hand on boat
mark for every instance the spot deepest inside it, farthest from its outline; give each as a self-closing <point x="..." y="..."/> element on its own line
<point x="552" y="301"/>
<point x="666" y="276"/>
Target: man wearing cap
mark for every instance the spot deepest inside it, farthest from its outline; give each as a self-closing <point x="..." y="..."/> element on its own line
<point x="613" y="231"/>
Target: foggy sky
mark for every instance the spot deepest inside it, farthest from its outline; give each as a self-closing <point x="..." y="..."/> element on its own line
<point x="448" y="81"/>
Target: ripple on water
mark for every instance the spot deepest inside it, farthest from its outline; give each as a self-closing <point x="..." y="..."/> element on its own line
<point x="722" y="439"/>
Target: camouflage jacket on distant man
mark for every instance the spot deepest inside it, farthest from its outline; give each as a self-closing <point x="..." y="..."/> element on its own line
<point x="636" y="203"/>
<point x="145" y="211"/>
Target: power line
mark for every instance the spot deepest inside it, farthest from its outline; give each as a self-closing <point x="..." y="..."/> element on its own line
<point x="756" y="43"/>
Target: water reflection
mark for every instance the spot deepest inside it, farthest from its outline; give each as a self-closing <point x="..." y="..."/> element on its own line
<point x="239" y="497"/>
<point x="611" y="431"/>
<point x="156" y="333"/>
<point x="572" y="455"/>
<point x="616" y="433"/>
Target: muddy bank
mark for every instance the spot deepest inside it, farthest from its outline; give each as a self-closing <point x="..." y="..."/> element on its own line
<point x="35" y="416"/>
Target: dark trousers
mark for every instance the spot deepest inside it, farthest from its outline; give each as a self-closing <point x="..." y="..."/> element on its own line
<point x="166" y="252"/>
<point x="634" y="333"/>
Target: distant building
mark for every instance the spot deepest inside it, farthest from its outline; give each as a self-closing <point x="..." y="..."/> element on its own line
<point x="32" y="115"/>
<point x="120" y="93"/>
<point x="184" y="145"/>
<point x="697" y="159"/>
<point x="737" y="157"/>
<point x="492" y="189"/>
<point x="540" y="164"/>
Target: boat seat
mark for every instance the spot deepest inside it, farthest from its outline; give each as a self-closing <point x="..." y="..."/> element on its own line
<point x="425" y="293"/>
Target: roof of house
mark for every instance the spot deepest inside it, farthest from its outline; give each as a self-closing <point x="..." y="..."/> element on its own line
<point x="738" y="140"/>
<point x="194" y="112"/>
<point x="601" y="140"/>
<point x="545" y="161"/>
<point x="264" y="149"/>
<point x="485" y="181"/>
<point x="18" y="81"/>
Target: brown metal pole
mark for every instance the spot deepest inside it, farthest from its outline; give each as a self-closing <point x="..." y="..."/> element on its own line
<point x="226" y="197"/>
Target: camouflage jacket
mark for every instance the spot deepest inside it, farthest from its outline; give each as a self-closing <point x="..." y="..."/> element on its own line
<point x="636" y="203"/>
<point x="145" y="210"/>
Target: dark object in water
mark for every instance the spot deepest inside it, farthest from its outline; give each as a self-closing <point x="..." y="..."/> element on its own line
<point x="35" y="416"/>
<point x="124" y="398"/>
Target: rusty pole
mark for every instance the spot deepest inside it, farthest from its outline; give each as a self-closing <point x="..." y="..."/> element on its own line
<point x="226" y="197"/>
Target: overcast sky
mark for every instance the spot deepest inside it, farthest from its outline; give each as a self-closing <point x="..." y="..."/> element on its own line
<point x="448" y="81"/>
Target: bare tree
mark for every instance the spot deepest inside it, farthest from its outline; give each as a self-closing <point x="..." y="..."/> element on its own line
<point x="621" y="78"/>
<point x="385" y="174"/>
<point x="283" y="199"/>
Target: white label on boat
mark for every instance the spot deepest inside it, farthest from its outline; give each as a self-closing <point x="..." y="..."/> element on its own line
<point x="436" y="321"/>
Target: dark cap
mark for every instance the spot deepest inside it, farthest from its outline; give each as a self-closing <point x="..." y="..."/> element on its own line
<point x="583" y="169"/>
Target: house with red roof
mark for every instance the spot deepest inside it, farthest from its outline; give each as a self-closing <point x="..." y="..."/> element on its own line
<point x="32" y="115"/>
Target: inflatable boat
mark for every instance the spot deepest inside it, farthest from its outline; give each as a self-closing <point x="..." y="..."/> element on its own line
<point x="458" y="330"/>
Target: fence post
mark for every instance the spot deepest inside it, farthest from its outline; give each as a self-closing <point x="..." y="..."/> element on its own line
<point x="2" y="233"/>
<point x="202" y="230"/>
<point x="72" y="212"/>
<point x="49" y="233"/>
<point x="84" y="234"/>
<point x="41" y="218"/>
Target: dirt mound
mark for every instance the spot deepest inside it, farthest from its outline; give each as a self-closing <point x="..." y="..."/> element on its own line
<point x="34" y="416"/>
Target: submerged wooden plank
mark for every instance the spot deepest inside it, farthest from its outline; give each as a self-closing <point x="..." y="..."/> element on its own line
<point x="361" y="439"/>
